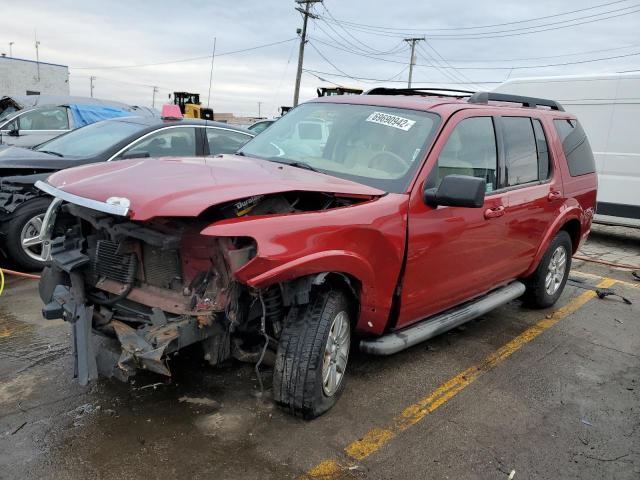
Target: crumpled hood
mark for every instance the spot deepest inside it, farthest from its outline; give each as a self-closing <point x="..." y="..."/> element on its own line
<point x="25" y="158"/>
<point x="185" y="187"/>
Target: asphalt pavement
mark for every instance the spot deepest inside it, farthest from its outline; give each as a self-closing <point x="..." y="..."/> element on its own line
<point x="518" y="393"/>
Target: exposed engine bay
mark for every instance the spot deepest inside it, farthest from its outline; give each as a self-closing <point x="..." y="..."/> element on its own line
<point x="136" y="292"/>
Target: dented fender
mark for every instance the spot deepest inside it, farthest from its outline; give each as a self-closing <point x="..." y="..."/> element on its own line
<point x="365" y="241"/>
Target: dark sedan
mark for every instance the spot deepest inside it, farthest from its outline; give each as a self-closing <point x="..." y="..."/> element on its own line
<point x="22" y="206"/>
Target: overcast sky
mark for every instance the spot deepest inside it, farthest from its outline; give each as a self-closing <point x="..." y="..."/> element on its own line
<point x="97" y="34"/>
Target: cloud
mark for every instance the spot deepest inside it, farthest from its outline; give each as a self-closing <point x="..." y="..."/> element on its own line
<point x="118" y="32"/>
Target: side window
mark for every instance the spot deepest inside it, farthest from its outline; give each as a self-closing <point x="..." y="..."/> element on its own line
<point x="225" y="141"/>
<point x="179" y="142"/>
<point x="521" y="154"/>
<point x="544" y="168"/>
<point x="471" y="150"/>
<point x="576" y="147"/>
<point x="45" y="119"/>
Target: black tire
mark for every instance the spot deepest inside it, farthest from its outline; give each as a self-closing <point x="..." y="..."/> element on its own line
<point x="298" y="384"/>
<point x="13" y="229"/>
<point x="536" y="294"/>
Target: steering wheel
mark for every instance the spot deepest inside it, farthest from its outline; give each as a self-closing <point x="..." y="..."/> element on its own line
<point x="386" y="155"/>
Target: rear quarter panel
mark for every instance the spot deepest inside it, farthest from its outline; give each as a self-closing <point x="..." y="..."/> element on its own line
<point x="578" y="195"/>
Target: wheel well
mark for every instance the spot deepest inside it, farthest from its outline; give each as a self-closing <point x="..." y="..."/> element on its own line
<point x="572" y="227"/>
<point x="297" y="291"/>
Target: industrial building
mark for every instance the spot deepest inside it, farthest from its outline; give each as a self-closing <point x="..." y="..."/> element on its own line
<point x="28" y="77"/>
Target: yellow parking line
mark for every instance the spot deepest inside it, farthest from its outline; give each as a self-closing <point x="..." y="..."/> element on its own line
<point x="593" y="275"/>
<point x="377" y="437"/>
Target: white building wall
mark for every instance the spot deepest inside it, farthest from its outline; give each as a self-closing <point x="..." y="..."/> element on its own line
<point x="19" y="76"/>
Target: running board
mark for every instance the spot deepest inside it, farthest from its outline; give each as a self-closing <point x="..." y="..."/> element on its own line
<point x="408" y="337"/>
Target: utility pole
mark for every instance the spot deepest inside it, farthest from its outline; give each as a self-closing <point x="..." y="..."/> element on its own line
<point x="412" y="60"/>
<point x="37" y="55"/>
<point x="153" y="98"/>
<point x="303" y="39"/>
<point x="91" y="79"/>
<point x="11" y="49"/>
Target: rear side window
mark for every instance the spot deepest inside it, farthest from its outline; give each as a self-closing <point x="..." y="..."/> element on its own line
<point x="576" y="147"/>
<point x="225" y="141"/>
<point x="543" y="151"/>
<point x="521" y="151"/>
<point x="45" y="119"/>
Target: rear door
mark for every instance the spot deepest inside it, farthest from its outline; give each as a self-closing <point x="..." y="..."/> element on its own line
<point x="533" y="188"/>
<point x="455" y="253"/>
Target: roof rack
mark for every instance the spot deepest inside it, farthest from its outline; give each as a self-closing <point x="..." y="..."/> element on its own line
<point x="485" y="97"/>
<point x="421" y="91"/>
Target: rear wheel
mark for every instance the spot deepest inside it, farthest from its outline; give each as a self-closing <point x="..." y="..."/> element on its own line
<point x="312" y="355"/>
<point x="546" y="284"/>
<point x="22" y="240"/>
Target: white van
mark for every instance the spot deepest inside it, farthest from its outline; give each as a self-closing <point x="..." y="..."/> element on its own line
<point x="608" y="107"/>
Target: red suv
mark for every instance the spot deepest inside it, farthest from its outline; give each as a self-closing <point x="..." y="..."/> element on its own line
<point x="394" y="216"/>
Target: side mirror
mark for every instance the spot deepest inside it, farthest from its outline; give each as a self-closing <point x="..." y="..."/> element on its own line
<point x="457" y="191"/>
<point x="128" y="156"/>
<point x="14" y="133"/>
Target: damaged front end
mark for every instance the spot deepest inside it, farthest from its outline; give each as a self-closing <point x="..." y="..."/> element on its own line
<point x="137" y="292"/>
<point x="145" y="291"/>
<point x="16" y="189"/>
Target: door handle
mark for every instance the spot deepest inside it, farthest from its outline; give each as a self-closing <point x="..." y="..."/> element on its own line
<point x="554" y="195"/>
<point x="494" y="212"/>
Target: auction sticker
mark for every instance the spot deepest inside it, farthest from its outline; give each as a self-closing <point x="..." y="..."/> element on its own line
<point x="391" y="120"/>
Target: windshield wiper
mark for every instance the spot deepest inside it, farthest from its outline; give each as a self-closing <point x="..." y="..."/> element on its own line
<point x="50" y="152"/>
<point x="296" y="164"/>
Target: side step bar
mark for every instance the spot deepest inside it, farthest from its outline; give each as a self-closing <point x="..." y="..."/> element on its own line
<point x="408" y="337"/>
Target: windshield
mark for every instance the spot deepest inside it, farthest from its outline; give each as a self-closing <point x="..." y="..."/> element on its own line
<point x="90" y="140"/>
<point x="378" y="146"/>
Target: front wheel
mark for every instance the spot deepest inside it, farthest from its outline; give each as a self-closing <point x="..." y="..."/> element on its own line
<point x="22" y="241"/>
<point x="312" y="355"/>
<point x="546" y="284"/>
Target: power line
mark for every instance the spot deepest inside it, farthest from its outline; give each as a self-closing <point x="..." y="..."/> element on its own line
<point x="479" y="67"/>
<point x="184" y="60"/>
<point x="574" y="54"/>
<point x="586" y="52"/>
<point x="315" y="73"/>
<point x="515" y="32"/>
<point x="368" y="48"/>
<point x="430" y="29"/>
<point x="453" y="75"/>
<point x="328" y="61"/>
<point x="353" y="48"/>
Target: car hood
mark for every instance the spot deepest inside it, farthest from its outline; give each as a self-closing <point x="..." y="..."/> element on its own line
<point x="185" y="187"/>
<point x="25" y="158"/>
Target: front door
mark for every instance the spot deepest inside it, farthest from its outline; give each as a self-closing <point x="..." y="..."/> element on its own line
<point x="455" y="253"/>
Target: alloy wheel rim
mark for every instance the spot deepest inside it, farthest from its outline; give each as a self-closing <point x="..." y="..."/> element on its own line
<point x="30" y="238"/>
<point x="336" y="354"/>
<point x="556" y="270"/>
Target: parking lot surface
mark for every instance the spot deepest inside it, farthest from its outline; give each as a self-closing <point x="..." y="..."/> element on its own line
<point x="522" y="393"/>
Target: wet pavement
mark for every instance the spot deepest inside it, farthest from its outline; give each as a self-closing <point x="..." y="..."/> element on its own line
<point x="564" y="405"/>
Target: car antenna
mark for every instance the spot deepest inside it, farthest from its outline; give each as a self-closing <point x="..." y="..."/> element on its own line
<point x="206" y="120"/>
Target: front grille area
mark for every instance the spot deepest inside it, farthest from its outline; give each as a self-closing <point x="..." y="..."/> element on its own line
<point x="161" y="267"/>
<point x="108" y="263"/>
